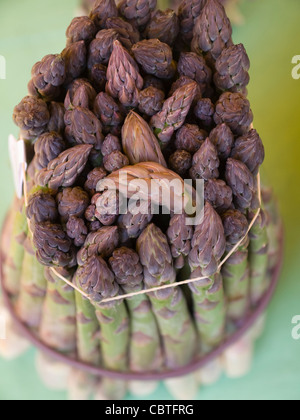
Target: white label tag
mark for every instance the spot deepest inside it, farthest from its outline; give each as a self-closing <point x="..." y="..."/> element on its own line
<point x="18" y="162"/>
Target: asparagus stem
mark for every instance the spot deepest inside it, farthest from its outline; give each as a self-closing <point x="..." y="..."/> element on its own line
<point x="114" y="325"/>
<point x="169" y="305"/>
<point x="176" y="327"/>
<point x="235" y="271"/>
<point x="6" y="235"/>
<point x="13" y="265"/>
<point x="33" y="288"/>
<point x="145" y="349"/>
<point x="236" y="280"/>
<point x="258" y="258"/>
<point x="96" y="279"/>
<point x="274" y="226"/>
<point x="58" y="324"/>
<point x="88" y="329"/>
<point x="210" y="310"/>
<point x="208" y="247"/>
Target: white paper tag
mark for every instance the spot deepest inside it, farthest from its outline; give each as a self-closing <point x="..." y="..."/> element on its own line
<point x="18" y="162"/>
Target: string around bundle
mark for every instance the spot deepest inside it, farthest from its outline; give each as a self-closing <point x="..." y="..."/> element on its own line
<point x="158" y="288"/>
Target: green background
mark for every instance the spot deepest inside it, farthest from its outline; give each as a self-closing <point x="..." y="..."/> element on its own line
<point x="29" y="29"/>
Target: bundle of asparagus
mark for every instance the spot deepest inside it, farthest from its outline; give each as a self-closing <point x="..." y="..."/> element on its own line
<point x="154" y="95"/>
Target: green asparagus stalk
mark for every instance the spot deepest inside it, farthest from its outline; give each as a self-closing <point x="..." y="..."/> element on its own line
<point x="12" y="268"/>
<point x="97" y="280"/>
<point x="210" y="309"/>
<point x="6" y="235"/>
<point x="274" y="226"/>
<point x="235" y="271"/>
<point x="114" y="324"/>
<point x="208" y="247"/>
<point x="88" y="329"/>
<point x="169" y="305"/>
<point x="145" y="350"/>
<point x="258" y="257"/>
<point x="236" y="279"/>
<point x="58" y="324"/>
<point x="33" y="289"/>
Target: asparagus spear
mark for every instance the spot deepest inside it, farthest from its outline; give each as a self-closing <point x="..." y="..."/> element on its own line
<point x="194" y="66"/>
<point x="212" y="31"/>
<point x="139" y="142"/>
<point x="258" y="257"/>
<point x="235" y="271"/>
<point x="234" y="110"/>
<point x="102" y="242"/>
<point x="179" y="236"/>
<point x="48" y="75"/>
<point x="97" y="280"/>
<point x="169" y="306"/>
<point x="205" y="162"/>
<point x="128" y="34"/>
<point x="242" y="183"/>
<point x="13" y="265"/>
<point x="137" y="11"/>
<point x="232" y="68"/>
<point x="155" y="58"/>
<point x="249" y="149"/>
<point x="210" y="309"/>
<point x="208" y="247"/>
<point x="58" y="324"/>
<point x="188" y="12"/>
<point x="123" y="78"/>
<point x="65" y="169"/>
<point x="145" y="350"/>
<point x="173" y="113"/>
<point x="81" y="28"/>
<point x="41" y="206"/>
<point x="6" y="235"/>
<point x="32" y="286"/>
<point x="39" y="114"/>
<point x="164" y="25"/>
<point x="274" y="226"/>
<point x="88" y="329"/>
<point x="102" y="10"/>
<point x="151" y="101"/>
<point x="53" y="246"/>
<point x="32" y="289"/>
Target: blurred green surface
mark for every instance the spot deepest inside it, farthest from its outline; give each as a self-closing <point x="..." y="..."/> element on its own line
<point x="30" y="29"/>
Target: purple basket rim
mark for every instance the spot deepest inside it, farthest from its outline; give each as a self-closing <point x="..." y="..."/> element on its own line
<point x="151" y="376"/>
